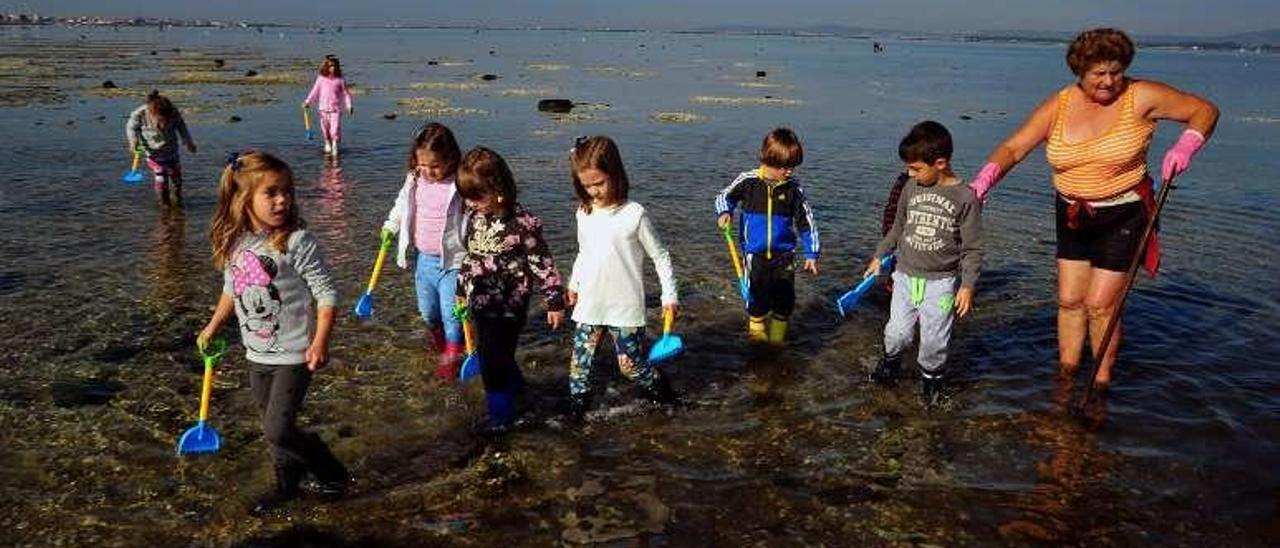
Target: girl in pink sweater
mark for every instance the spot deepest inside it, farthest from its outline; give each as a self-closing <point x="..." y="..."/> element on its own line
<point x="330" y="92"/>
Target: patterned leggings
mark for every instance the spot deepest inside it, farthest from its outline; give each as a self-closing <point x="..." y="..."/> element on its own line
<point x="628" y="341"/>
<point x="167" y="174"/>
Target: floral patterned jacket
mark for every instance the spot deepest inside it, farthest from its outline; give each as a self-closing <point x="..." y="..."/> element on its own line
<point x="505" y="256"/>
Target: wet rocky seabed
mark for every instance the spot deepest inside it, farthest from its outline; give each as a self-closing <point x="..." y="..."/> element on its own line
<point x="769" y="447"/>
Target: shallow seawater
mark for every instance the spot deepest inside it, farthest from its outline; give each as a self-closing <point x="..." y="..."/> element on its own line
<point x="101" y="292"/>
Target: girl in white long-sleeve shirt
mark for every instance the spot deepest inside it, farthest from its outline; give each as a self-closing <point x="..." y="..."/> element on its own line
<point x="607" y="285"/>
<point x="428" y="216"/>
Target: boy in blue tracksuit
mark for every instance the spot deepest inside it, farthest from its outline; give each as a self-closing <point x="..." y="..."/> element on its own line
<point x="775" y="220"/>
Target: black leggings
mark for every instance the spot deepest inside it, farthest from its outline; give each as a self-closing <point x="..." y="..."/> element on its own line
<point x="497" y="337"/>
<point x="278" y="391"/>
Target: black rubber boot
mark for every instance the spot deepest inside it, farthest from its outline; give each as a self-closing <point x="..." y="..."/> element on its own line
<point x="575" y="408"/>
<point x="931" y="389"/>
<point x="331" y="477"/>
<point x="661" y="392"/>
<point x="286" y="488"/>
<point x="886" y="371"/>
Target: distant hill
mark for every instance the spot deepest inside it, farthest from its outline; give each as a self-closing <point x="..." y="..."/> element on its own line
<point x="1268" y="39"/>
<point x="1259" y="38"/>
<point x="823" y="30"/>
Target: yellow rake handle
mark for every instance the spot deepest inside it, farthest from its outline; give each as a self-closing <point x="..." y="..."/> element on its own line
<point x="377" y="265"/>
<point x="469" y="337"/>
<point x="462" y="313"/>
<point x="306" y="118"/>
<point x="207" y="390"/>
<point x="733" y="250"/>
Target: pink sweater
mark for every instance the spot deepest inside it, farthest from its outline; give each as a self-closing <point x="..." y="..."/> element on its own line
<point x="331" y="92"/>
<point x="430" y="213"/>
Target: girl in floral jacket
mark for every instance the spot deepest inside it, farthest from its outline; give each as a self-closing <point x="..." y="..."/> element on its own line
<point x="506" y="259"/>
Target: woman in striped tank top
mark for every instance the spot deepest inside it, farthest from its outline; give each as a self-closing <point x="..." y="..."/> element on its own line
<point x="1097" y="132"/>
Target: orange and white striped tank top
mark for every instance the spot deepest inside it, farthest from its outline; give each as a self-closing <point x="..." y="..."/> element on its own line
<point x="1103" y="166"/>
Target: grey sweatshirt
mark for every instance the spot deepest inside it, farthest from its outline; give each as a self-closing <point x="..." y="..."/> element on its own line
<point x="937" y="233"/>
<point x="273" y="293"/>
<point x="159" y="144"/>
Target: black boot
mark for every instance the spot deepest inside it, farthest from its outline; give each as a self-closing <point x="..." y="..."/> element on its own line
<point x="288" y="478"/>
<point x="886" y="371"/>
<point x="576" y="407"/>
<point x="931" y="389"/>
<point x="331" y="477"/>
<point x="660" y="391"/>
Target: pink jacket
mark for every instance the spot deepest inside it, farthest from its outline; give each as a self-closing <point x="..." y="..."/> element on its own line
<point x="332" y="94"/>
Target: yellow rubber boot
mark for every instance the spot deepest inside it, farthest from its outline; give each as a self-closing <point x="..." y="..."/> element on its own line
<point x="777" y="330"/>
<point x="756" y="329"/>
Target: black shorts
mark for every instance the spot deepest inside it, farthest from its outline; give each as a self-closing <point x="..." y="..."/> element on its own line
<point x="772" y="284"/>
<point x="1108" y="238"/>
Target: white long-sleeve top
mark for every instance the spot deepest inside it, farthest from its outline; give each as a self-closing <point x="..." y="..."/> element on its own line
<point x="402" y="216"/>
<point x="608" y="273"/>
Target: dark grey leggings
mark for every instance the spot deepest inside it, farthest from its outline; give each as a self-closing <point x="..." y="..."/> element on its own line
<point x="278" y="391"/>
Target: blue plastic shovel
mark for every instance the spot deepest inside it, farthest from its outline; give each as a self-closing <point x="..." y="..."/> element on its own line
<point x="847" y="302"/>
<point x="364" y="306"/>
<point x="202" y="438"/>
<point x="134" y="176"/>
<point x="670" y="345"/>
<point x="471" y="364"/>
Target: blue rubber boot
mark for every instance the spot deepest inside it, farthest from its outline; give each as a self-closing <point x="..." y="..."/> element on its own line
<point x="501" y="412"/>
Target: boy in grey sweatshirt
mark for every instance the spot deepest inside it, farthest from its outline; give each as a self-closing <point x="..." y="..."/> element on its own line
<point x="937" y="234"/>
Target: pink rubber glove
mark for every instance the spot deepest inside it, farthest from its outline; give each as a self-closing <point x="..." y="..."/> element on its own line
<point x="1178" y="159"/>
<point x="986" y="180"/>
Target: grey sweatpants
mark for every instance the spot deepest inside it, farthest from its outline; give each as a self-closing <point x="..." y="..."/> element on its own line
<point x="930" y="303"/>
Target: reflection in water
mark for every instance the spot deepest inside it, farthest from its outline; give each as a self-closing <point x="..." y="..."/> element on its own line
<point x="164" y="264"/>
<point x="1075" y="468"/>
<point x="329" y="218"/>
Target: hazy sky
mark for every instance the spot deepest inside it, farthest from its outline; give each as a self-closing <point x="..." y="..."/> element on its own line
<point x="1192" y="17"/>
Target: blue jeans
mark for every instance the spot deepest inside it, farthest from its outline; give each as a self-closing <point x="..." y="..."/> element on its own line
<point x="437" y="290"/>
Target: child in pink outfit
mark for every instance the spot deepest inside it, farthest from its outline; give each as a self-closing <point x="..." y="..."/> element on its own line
<point x="331" y="95"/>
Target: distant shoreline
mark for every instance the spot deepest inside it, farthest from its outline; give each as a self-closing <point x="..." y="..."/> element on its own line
<point x="1029" y="37"/>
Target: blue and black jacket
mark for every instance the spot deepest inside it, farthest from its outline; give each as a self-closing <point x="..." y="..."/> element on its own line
<point x="773" y="215"/>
